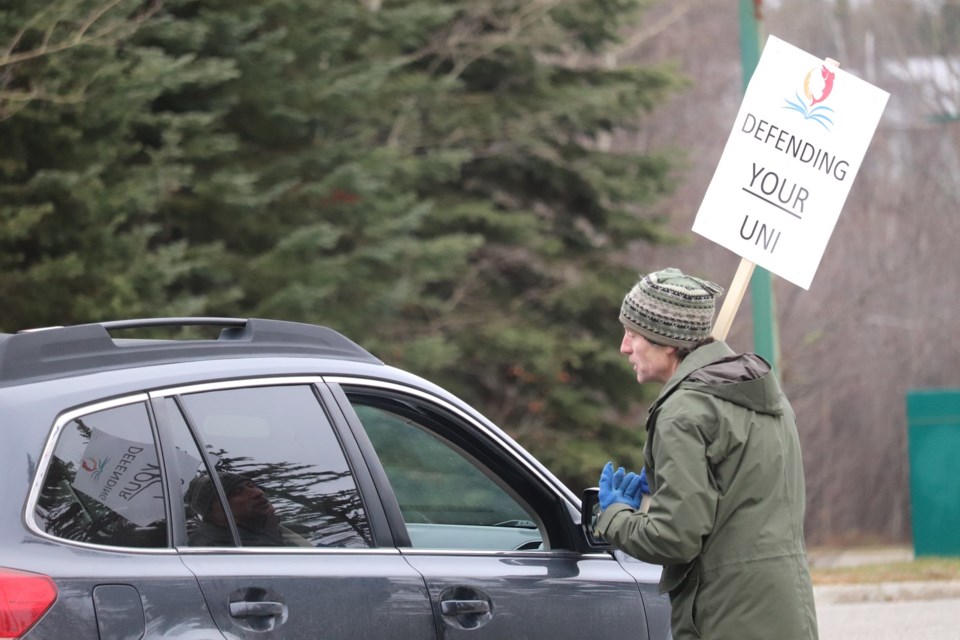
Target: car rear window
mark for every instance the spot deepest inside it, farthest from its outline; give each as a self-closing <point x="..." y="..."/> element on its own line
<point x="103" y="484"/>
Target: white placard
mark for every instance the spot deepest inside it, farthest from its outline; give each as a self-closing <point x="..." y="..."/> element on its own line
<point x="795" y="149"/>
<point x="123" y="475"/>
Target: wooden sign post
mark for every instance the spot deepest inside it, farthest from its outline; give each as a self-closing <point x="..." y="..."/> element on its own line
<point x="731" y="302"/>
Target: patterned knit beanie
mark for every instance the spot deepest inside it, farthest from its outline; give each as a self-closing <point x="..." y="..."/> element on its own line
<point x="670" y="308"/>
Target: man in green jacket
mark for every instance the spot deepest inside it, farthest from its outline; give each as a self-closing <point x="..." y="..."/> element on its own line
<point x="723" y="463"/>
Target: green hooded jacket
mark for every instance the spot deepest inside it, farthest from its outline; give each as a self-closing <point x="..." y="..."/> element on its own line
<point x="726" y="514"/>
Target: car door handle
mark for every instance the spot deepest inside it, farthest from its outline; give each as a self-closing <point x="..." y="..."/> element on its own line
<point x="462" y="607"/>
<point x="246" y="609"/>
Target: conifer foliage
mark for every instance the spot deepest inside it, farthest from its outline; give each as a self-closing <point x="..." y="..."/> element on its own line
<point x="431" y="177"/>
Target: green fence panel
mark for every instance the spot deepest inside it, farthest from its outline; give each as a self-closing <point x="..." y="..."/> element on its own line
<point x="933" y="423"/>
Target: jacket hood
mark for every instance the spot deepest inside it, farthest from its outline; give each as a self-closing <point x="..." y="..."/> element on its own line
<point x="745" y="379"/>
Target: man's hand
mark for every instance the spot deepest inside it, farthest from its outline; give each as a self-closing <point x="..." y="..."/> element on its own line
<point x="619" y="486"/>
<point x="644" y="487"/>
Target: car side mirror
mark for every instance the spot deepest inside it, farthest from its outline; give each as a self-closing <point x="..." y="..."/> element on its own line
<point x="589" y="513"/>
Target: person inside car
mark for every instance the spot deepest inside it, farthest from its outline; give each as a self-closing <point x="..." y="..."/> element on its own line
<point x="252" y="511"/>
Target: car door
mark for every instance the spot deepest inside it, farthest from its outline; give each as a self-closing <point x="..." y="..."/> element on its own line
<point x="275" y="525"/>
<point x="490" y="533"/>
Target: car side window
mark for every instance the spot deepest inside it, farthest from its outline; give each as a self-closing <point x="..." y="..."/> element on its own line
<point x="278" y="463"/>
<point x="448" y="498"/>
<point x="103" y="484"/>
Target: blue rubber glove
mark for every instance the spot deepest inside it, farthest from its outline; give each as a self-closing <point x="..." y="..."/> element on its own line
<point x="630" y="490"/>
<point x="644" y="487"/>
<point x="619" y="486"/>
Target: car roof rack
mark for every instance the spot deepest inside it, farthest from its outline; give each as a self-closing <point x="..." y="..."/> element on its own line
<point x="57" y="352"/>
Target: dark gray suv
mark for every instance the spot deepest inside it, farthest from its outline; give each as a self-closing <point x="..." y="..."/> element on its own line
<point x="279" y="481"/>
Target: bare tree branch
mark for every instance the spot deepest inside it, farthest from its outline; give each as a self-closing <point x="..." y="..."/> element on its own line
<point x="84" y="34"/>
<point x="64" y="27"/>
<point x="678" y="10"/>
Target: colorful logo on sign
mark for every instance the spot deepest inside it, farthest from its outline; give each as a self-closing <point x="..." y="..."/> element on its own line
<point x="94" y="466"/>
<point x="817" y="86"/>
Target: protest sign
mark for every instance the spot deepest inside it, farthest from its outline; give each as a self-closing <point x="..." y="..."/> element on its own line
<point x="123" y="475"/>
<point x="798" y="141"/>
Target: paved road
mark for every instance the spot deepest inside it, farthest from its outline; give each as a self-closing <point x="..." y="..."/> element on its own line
<point x="935" y="619"/>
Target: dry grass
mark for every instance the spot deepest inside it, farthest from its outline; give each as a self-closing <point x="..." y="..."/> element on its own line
<point x="914" y="570"/>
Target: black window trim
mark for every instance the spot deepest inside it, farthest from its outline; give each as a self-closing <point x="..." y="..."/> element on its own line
<point x="400" y="538"/>
<point x="177" y="520"/>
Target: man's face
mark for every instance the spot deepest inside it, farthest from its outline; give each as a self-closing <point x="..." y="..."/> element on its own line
<point x="249" y="503"/>
<point x="651" y="362"/>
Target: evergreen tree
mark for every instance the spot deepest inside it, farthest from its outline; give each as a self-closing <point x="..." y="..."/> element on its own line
<point x="441" y="194"/>
<point x="86" y="161"/>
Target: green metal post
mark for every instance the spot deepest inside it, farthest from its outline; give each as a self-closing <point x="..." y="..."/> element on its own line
<point x="765" y="341"/>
